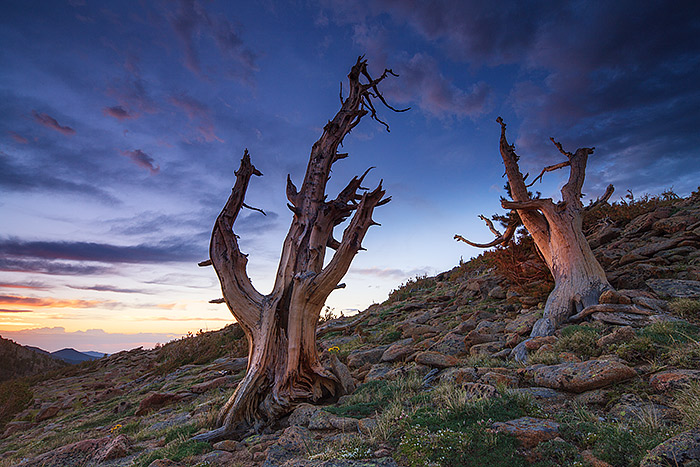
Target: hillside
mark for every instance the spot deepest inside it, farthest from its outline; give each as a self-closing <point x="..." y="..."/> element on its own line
<point x="17" y="361"/>
<point x="435" y="384"/>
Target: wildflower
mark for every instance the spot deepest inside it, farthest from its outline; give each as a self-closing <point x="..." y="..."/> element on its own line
<point x="335" y="348"/>
<point x="115" y="428"/>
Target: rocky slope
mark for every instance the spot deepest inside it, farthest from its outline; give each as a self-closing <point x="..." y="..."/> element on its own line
<point x="434" y="381"/>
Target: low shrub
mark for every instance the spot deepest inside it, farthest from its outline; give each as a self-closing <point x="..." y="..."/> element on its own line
<point x="15" y="396"/>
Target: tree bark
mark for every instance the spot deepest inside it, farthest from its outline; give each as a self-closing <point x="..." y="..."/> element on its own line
<point x="283" y="362"/>
<point x="556" y="229"/>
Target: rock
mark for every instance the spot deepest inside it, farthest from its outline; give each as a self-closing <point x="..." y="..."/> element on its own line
<point x="205" y="386"/>
<point x="46" y="412"/>
<point x="494" y="379"/>
<point x="580" y="377"/>
<point x="673" y="379"/>
<point x="234" y="365"/>
<point x="614" y="297"/>
<point x="379" y="371"/>
<point x="631" y="408"/>
<point x="302" y="414"/>
<point x="490" y="327"/>
<point x="529" y="431"/>
<point x="418" y="330"/>
<point x="592" y="460"/>
<point x="436" y="359"/>
<point x="546" y="397"/>
<point x="398" y="351"/>
<point x="156" y="400"/>
<point x="115" y="449"/>
<point x="292" y="443"/>
<point x="594" y="397"/>
<point x="623" y="334"/>
<point x="85" y="452"/>
<point x="537" y="342"/>
<point x="347" y="383"/>
<point x="498" y="293"/>
<point x="383" y="462"/>
<point x="228" y="445"/>
<point x="458" y="376"/>
<point x="479" y="391"/>
<point x="452" y="344"/>
<point x="474" y="338"/>
<point x="671" y="225"/>
<point x="486" y="349"/>
<point x="622" y="319"/>
<point x="682" y="449"/>
<point x="675" y="288"/>
<point x="523" y="323"/>
<point x="109" y="393"/>
<point x="358" y="358"/>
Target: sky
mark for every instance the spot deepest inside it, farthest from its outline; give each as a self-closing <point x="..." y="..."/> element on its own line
<point x="121" y="124"/>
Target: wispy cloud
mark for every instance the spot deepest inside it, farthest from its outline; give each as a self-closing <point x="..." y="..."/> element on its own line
<point x="142" y="159"/>
<point x="110" y="288"/>
<point x="50" y="267"/>
<point x="50" y="122"/>
<point x="47" y="302"/>
<point x="7" y="310"/>
<point x="389" y="273"/>
<point x="18" y="138"/>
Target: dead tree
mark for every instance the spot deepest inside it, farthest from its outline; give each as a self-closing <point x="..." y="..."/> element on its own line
<point x="283" y="362"/>
<point x="556" y="229"/>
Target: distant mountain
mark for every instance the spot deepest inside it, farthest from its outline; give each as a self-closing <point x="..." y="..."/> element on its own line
<point x="95" y="354"/>
<point x="73" y="356"/>
<point x="17" y="361"/>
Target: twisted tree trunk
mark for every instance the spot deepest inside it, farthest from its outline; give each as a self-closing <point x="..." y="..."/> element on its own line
<point x="556" y="229"/>
<point x="283" y="363"/>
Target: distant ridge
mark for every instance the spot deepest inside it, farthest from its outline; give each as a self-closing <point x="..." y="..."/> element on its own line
<point x="17" y="361"/>
<point x="72" y="356"/>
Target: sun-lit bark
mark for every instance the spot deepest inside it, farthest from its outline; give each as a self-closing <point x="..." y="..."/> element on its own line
<point x="283" y="363"/>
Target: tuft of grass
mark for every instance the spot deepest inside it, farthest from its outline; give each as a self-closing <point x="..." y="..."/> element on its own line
<point x="687" y="402"/>
<point x="176" y="451"/>
<point x="580" y="340"/>
<point x="374" y="396"/>
<point x="686" y="308"/>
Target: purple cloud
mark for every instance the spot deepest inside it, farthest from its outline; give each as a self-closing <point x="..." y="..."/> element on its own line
<point x="421" y="80"/>
<point x="51" y="122"/>
<point x="142" y="159"/>
<point x="18" y="138"/>
<point x="118" y="112"/>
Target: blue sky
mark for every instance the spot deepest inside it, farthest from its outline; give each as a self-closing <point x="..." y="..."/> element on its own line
<point x="121" y="124"/>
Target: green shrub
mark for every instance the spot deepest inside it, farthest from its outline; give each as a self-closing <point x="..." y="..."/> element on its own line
<point x="556" y="452"/>
<point x="476" y="446"/>
<point x="671" y="333"/>
<point x="580" y="340"/>
<point x="175" y="451"/>
<point x="687" y="402"/>
<point x="639" y="349"/>
<point x="15" y="396"/>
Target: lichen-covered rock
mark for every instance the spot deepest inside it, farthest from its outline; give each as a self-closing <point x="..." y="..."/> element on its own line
<point x="529" y="431"/>
<point x="398" y="351"/>
<point x="675" y="288"/>
<point x="358" y="358"/>
<point x="681" y="450"/>
<point x="673" y="379"/>
<point x="580" y="377"/>
<point x="294" y="442"/>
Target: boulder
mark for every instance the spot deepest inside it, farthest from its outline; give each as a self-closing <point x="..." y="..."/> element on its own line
<point x="580" y="377"/>
<point x="619" y="335"/>
<point x="156" y="400"/>
<point x="524" y="322"/>
<point x="436" y="359"/>
<point x="358" y="358"/>
<point x="398" y="351"/>
<point x="294" y="442"/>
<point x="529" y="431"/>
<point x="47" y="411"/>
<point x="452" y="344"/>
<point x="486" y="349"/>
<point x="458" y="375"/>
<point x="675" y="288"/>
<point x="205" y="386"/>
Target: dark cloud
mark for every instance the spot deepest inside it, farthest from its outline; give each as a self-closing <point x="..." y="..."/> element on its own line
<point x="34" y="285"/>
<point x="118" y="112"/>
<point x="51" y="122"/>
<point x="142" y="159"/>
<point x="110" y="288"/>
<point x="23" y="177"/>
<point x="98" y="252"/>
<point x="6" y="310"/>
<point x="53" y="268"/>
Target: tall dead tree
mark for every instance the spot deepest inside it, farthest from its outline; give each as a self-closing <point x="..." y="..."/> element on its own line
<point x="283" y="362"/>
<point x="556" y="229"/>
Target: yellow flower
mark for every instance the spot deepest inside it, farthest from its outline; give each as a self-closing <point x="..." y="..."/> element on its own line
<point x="335" y="348"/>
<point x="115" y="428"/>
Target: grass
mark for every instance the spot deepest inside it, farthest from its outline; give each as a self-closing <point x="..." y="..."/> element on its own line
<point x="687" y="402"/>
<point x="686" y="308"/>
<point x="177" y="450"/>
<point x="15" y="396"/>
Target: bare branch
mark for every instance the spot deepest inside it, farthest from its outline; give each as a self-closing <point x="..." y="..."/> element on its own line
<point x="550" y="168"/>
<point x="532" y="204"/>
<point x="500" y="240"/>
<point x="560" y="148"/>
<point x="489" y="224"/>
<point x="218" y="300"/>
<point x="254" y="209"/>
<point x="603" y="199"/>
<point x="206" y="262"/>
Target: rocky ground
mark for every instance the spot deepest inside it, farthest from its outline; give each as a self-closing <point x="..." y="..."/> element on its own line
<point x="435" y="381"/>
